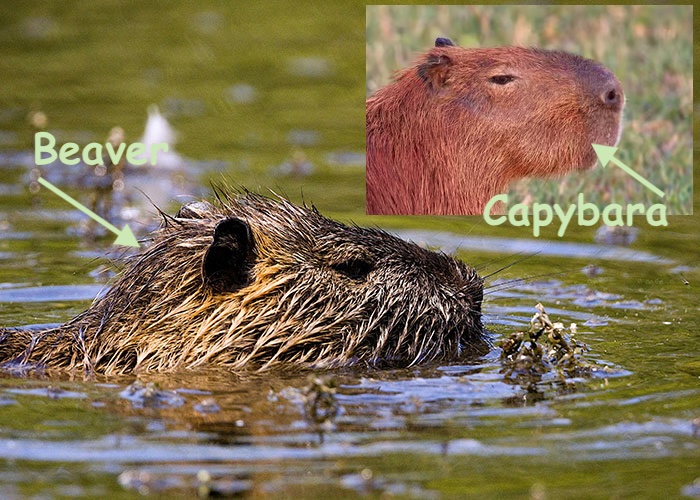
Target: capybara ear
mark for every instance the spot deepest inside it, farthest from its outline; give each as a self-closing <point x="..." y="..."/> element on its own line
<point x="435" y="70"/>
<point x="225" y="266"/>
<point x="444" y="42"/>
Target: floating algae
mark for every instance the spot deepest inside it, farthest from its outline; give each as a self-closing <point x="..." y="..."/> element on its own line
<point x="320" y="404"/>
<point x="547" y="352"/>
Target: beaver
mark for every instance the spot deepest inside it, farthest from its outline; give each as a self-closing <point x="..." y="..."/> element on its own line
<point x="455" y="128"/>
<point x="256" y="281"/>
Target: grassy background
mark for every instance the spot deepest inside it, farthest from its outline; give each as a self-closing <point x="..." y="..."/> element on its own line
<point x="649" y="48"/>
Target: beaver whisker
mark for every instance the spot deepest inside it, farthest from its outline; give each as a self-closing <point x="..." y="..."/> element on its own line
<point x="506" y="285"/>
<point x="482" y="266"/>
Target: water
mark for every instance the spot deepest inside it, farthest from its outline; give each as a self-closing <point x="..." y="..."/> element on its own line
<point x="255" y="92"/>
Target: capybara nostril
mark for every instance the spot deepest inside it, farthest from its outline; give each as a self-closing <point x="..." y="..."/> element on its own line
<point x="612" y="97"/>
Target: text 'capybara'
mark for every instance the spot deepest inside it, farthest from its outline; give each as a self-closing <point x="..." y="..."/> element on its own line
<point x="455" y="128"/>
<point x="255" y="282"/>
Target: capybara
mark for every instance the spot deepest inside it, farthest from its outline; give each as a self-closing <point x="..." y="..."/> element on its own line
<point x="251" y="281"/>
<point x="455" y="128"/>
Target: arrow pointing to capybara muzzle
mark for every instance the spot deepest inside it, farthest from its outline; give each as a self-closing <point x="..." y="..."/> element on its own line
<point x="605" y="155"/>
<point x="124" y="237"/>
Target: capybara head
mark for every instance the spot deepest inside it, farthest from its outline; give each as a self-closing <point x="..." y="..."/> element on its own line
<point x="454" y="129"/>
<point x="251" y="281"/>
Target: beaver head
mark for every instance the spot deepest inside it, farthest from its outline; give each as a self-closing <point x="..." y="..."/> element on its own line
<point x="254" y="281"/>
<point x="454" y="129"/>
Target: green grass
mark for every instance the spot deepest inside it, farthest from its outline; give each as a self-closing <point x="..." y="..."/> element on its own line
<point x="650" y="49"/>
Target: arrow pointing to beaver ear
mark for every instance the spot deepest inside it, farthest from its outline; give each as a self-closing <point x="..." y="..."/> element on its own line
<point x="605" y="155"/>
<point x="124" y="237"/>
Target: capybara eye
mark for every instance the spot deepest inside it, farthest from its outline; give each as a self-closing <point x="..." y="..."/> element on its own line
<point x="502" y="79"/>
<point x="356" y="269"/>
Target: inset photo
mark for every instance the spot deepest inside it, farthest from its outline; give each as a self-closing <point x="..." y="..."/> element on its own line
<point x="474" y="109"/>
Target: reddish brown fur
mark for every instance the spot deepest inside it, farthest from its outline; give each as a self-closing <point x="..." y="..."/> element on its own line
<point x="455" y="128"/>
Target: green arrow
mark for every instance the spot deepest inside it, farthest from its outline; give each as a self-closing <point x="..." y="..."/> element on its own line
<point x="605" y="155"/>
<point x="124" y="237"/>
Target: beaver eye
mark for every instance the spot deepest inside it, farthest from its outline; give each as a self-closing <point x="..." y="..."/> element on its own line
<point x="356" y="269"/>
<point x="502" y="79"/>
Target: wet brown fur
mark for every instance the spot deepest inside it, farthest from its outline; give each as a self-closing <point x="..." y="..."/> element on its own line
<point x="459" y="125"/>
<point x="255" y="282"/>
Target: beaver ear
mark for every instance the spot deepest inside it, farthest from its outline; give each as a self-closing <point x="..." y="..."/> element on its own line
<point x="435" y="70"/>
<point x="225" y="265"/>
